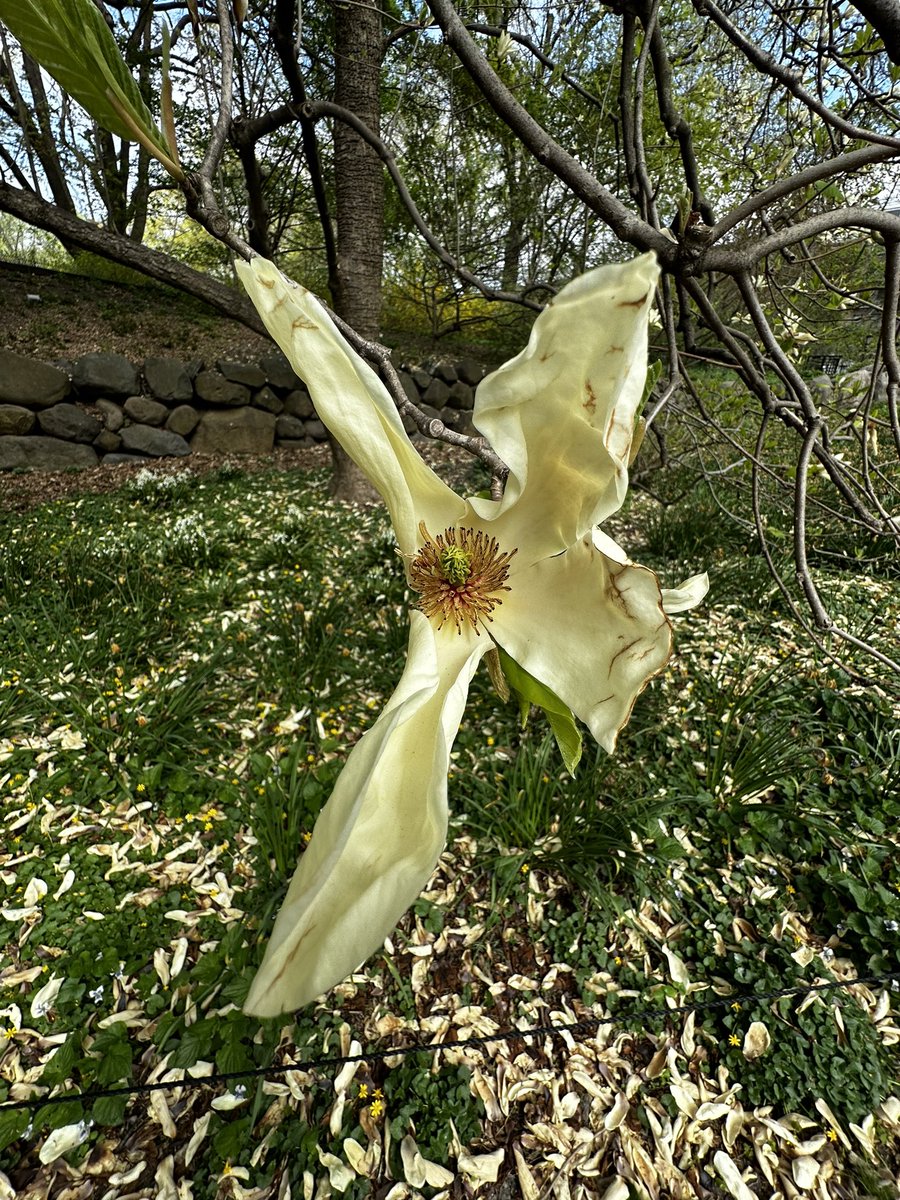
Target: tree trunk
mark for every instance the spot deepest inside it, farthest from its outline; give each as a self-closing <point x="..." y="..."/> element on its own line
<point x="359" y="199"/>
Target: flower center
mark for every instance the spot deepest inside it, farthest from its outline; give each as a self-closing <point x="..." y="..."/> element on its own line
<point x="458" y="576"/>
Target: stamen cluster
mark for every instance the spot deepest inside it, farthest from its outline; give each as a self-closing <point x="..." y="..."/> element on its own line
<point x="458" y="576"/>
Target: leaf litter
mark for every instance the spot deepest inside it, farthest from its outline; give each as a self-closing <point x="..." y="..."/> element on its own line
<point x="632" y="1108"/>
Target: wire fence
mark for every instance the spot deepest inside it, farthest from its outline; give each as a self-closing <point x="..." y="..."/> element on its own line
<point x="585" y="1026"/>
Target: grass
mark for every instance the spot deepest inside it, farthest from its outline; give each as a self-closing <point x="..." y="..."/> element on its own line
<point x="183" y="668"/>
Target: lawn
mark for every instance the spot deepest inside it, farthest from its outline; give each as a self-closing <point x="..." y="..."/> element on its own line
<point x="184" y="665"/>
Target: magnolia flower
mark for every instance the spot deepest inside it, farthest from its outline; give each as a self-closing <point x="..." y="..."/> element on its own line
<point x="529" y="574"/>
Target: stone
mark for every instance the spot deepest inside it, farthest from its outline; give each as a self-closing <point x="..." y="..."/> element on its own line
<point x="246" y="373"/>
<point x="822" y="387"/>
<point x="44" y="454"/>
<point x="279" y="372"/>
<point x="298" y="404"/>
<point x="266" y="398"/>
<point x="469" y="371"/>
<point x="452" y="417"/>
<point x="157" y="443"/>
<point x="15" y="420"/>
<point x="431" y="412"/>
<point x="856" y="383"/>
<point x="461" y="396"/>
<point x="168" y="379"/>
<point x="70" y="422"/>
<point x="215" y="389"/>
<point x="289" y="427"/>
<point x="144" y="411"/>
<point x="296" y="444"/>
<point x="113" y="460"/>
<point x="409" y="386"/>
<point x="460" y="420"/>
<point x="107" y="442"/>
<point x="445" y="371"/>
<point x="247" y="431"/>
<point x="30" y="384"/>
<point x="183" y="420"/>
<point x="113" y="417"/>
<point x="315" y="430"/>
<point x="421" y="379"/>
<point x="104" y="375"/>
<point x="437" y="393"/>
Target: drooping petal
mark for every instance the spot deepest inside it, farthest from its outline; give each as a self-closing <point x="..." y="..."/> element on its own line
<point x="687" y="595"/>
<point x="379" y="836"/>
<point x="351" y="402"/>
<point x="561" y="414"/>
<point x="591" y="629"/>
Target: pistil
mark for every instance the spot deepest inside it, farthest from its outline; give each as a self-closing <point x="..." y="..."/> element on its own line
<point x="459" y="576"/>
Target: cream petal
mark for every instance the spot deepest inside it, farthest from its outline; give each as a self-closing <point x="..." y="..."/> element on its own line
<point x="351" y="402"/>
<point x="379" y="836"/>
<point x="687" y="595"/>
<point x="561" y="414"/>
<point x="591" y="629"/>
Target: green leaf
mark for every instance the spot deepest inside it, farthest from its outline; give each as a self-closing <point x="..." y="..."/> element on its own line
<point x="196" y="1043"/>
<point x="12" y="1126"/>
<point x="233" y="1139"/>
<point x="71" y="40"/>
<point x="232" y="1055"/>
<point x="55" y="1116"/>
<point x="59" y="1068"/>
<point x="109" y="1110"/>
<point x="654" y="370"/>
<point x="531" y="691"/>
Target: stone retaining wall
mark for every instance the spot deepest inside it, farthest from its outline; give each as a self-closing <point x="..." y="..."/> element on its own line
<point x="104" y="409"/>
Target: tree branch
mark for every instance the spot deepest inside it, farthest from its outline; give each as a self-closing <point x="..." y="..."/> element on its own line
<point x="73" y="231"/>
<point x="620" y="219"/>
<point x="316" y="109"/>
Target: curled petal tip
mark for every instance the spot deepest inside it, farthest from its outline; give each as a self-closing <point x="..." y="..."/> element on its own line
<point x="687" y="595"/>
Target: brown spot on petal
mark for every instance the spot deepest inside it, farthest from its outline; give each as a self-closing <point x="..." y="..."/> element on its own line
<point x="619" y="653"/>
<point x="633" y="303"/>
<point x="616" y="350"/>
<point x="591" y="403"/>
<point x="294" y="952"/>
<point x="547" y="354"/>
<point x="303" y="323"/>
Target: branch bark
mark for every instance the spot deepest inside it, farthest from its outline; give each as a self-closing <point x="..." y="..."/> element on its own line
<point x="71" y="230"/>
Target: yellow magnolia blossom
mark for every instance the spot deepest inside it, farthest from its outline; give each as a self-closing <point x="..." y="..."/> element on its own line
<point x="529" y="574"/>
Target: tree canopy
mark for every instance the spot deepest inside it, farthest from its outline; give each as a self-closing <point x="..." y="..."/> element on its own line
<point x="752" y="146"/>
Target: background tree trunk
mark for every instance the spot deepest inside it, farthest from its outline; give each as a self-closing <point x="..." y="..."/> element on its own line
<point x="359" y="198"/>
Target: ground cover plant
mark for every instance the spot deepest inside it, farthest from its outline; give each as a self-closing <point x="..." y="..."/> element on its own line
<point x="185" y="665"/>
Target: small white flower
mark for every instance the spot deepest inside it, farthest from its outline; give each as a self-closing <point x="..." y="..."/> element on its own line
<point x="96" y="994"/>
<point x="892" y="926"/>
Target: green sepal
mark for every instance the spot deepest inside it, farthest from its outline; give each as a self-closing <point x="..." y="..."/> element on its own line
<point x="71" y="40"/>
<point x="530" y="691"/>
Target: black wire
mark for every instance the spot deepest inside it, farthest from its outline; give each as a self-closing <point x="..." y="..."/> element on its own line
<point x="586" y="1025"/>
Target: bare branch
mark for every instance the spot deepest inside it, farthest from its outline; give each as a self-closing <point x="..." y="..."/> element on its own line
<point x="316" y="109"/>
<point x="548" y="152"/>
<point x="764" y="62"/>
